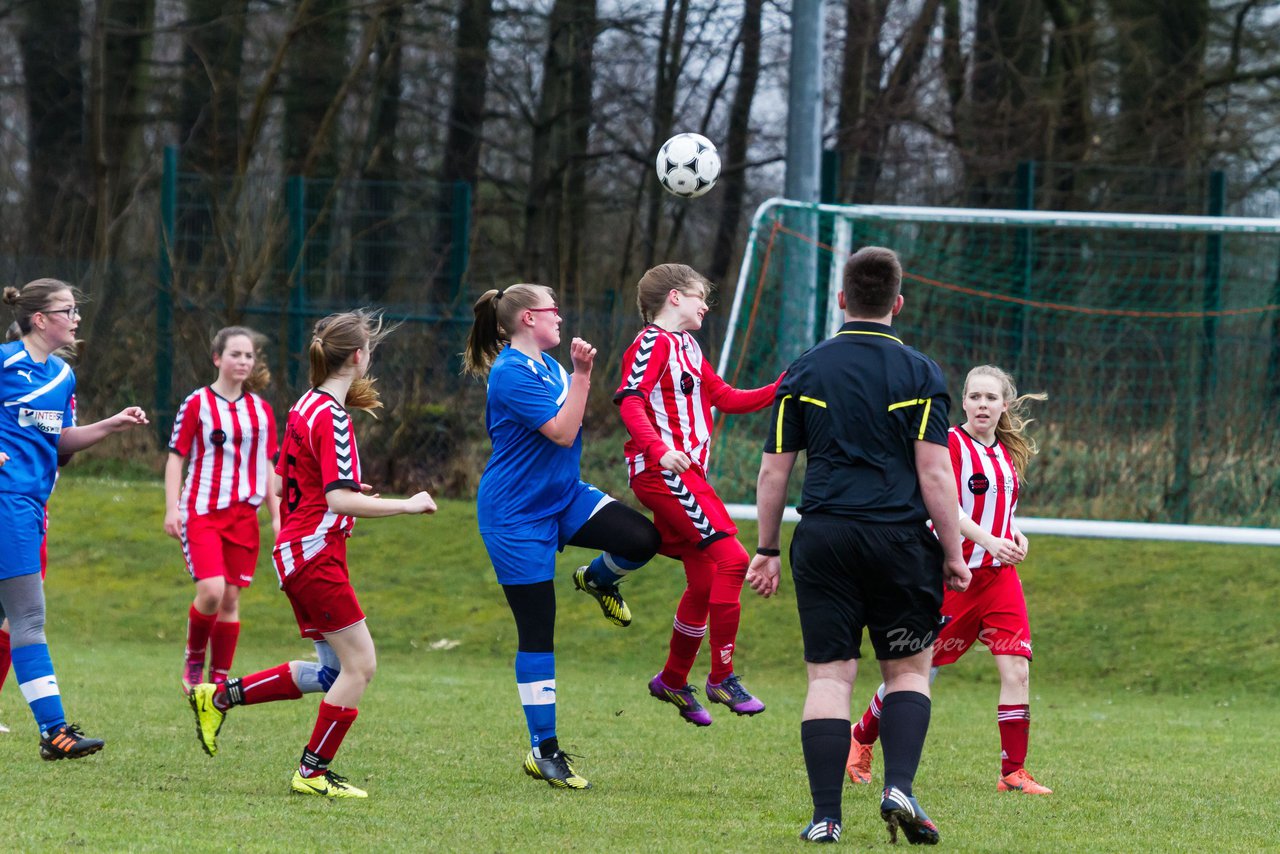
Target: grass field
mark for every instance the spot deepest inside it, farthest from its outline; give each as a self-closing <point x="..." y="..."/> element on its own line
<point x="1154" y="708"/>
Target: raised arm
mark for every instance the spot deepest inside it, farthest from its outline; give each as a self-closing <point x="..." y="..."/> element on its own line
<point x="563" y="428"/>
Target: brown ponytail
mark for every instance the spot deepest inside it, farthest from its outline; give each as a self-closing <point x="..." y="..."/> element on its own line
<point x="496" y="313"/>
<point x="333" y="341"/>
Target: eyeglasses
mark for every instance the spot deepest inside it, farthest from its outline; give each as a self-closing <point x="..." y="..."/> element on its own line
<point x="72" y="313"/>
<point x="555" y="309"/>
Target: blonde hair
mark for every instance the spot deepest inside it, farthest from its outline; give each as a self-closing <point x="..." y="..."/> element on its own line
<point x="34" y="297"/>
<point x="1011" y="428"/>
<point x="333" y="341"/>
<point x="657" y="282"/>
<point x="260" y="376"/>
<point x="496" y="313"/>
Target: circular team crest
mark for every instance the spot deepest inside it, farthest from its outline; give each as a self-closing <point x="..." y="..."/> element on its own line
<point x="979" y="484"/>
<point x="218" y="437"/>
<point x="686" y="383"/>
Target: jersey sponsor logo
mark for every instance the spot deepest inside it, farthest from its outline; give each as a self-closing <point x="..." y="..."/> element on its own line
<point x="686" y="383"/>
<point x="978" y="483"/>
<point x="218" y="437"/>
<point x="26" y="374"/>
<point x="45" y="420"/>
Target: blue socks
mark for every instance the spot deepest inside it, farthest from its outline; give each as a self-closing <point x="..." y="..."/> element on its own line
<point x="536" y="679"/>
<point x="608" y="569"/>
<point x="33" y="671"/>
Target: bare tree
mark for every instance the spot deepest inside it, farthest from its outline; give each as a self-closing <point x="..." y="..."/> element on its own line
<point x="738" y="142"/>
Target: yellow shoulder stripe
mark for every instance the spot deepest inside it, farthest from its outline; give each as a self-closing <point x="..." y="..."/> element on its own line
<point x="782" y="405"/>
<point x="924" y="418"/>
<point x="814" y="401"/>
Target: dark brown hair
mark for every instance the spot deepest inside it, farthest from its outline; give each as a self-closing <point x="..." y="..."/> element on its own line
<point x="496" y="314"/>
<point x="333" y="341"/>
<point x="34" y="297"/>
<point x="872" y="281"/>
<point x="656" y="283"/>
<point x="260" y="376"/>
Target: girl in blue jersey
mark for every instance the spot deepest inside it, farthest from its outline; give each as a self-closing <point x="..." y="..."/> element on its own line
<point x="37" y="423"/>
<point x="532" y="501"/>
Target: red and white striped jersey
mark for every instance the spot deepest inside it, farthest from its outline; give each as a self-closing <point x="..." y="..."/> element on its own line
<point x="229" y="445"/>
<point x="678" y="385"/>
<point x="318" y="455"/>
<point x="988" y="486"/>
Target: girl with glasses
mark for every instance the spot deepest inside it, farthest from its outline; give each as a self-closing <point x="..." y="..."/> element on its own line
<point x="532" y="501"/>
<point x="37" y="424"/>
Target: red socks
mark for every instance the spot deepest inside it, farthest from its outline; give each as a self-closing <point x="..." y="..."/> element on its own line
<point x="198" y="628"/>
<point x="265" y="686"/>
<point x="687" y="632"/>
<point x="222" y="649"/>
<point x="332" y="723"/>
<point x="1015" y="732"/>
<point x="867" y="730"/>
<point x="4" y="657"/>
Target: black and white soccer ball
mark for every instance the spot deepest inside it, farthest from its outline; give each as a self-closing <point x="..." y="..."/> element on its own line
<point x="688" y="165"/>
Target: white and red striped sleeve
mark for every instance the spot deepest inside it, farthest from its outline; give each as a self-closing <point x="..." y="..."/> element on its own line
<point x="185" y="424"/>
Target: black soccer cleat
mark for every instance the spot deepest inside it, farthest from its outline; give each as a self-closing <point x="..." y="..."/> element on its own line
<point x="67" y="742"/>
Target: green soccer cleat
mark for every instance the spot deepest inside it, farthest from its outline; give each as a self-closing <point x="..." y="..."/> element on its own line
<point x="611" y="602"/>
<point x="328" y="785"/>
<point x="555" y="769"/>
<point x="209" y="717"/>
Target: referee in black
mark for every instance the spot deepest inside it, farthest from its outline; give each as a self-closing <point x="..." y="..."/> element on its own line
<point x="870" y="413"/>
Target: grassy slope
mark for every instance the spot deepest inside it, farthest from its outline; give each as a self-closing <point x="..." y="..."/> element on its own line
<point x="1154" y="679"/>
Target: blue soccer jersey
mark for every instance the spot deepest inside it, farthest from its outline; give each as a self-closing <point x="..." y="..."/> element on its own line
<point x="37" y="406"/>
<point x="528" y="478"/>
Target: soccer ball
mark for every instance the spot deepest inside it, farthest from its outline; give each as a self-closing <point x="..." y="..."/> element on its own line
<point x="688" y="165"/>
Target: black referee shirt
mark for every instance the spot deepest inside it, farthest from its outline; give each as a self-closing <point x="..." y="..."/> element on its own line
<point x="856" y="404"/>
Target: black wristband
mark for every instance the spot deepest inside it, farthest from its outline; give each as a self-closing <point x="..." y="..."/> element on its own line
<point x="769" y="552"/>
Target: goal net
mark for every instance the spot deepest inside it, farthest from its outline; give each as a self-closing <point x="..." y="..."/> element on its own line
<point x="1157" y="339"/>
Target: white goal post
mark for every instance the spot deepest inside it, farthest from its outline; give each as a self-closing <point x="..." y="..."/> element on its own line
<point x="844" y="216"/>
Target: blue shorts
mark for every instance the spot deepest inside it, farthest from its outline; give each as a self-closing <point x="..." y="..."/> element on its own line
<point x="23" y="532"/>
<point x="526" y="553"/>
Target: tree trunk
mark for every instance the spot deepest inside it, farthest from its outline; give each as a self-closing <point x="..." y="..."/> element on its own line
<point x="57" y="192"/>
<point x="671" y="59"/>
<point x="117" y="114"/>
<point x="376" y="232"/>
<point x="1162" y="53"/>
<point x="317" y="64"/>
<point x="559" y="147"/>
<point x="463" y="143"/>
<point x="737" y="143"/>
<point x="1003" y="123"/>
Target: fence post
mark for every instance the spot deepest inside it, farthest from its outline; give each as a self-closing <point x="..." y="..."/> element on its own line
<point x="828" y="193"/>
<point x="1026" y="179"/>
<point x="460" y="239"/>
<point x="296" y="201"/>
<point x="1212" y="287"/>
<point x="162" y="410"/>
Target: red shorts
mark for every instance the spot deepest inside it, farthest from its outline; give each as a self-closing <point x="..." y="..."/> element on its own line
<point x="222" y="543"/>
<point x="686" y="510"/>
<point x="321" y="595"/>
<point x="993" y="610"/>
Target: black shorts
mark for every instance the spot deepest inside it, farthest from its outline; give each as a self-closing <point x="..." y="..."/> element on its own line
<point x="851" y="574"/>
